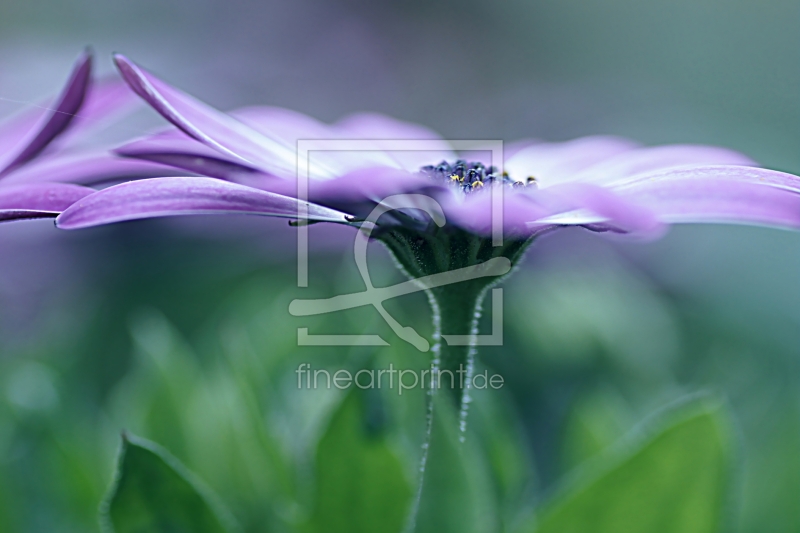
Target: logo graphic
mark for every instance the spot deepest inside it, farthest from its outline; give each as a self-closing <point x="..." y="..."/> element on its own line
<point x="375" y="296"/>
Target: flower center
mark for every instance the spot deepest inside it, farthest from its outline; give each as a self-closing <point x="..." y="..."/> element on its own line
<point x="471" y="176"/>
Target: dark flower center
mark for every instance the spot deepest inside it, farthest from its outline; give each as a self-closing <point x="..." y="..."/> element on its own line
<point x="470" y="176"/>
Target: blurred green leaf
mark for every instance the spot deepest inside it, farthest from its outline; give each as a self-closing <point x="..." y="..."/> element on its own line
<point x="598" y="316"/>
<point x="457" y="493"/>
<point x="361" y="485"/>
<point x="598" y="419"/>
<point x="493" y="421"/>
<point x="156" y="393"/>
<point x="771" y="474"/>
<point x="6" y="510"/>
<point x="153" y="492"/>
<point x="208" y="412"/>
<point x="674" y="483"/>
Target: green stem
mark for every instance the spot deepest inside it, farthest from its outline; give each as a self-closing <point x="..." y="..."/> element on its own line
<point x="457" y="311"/>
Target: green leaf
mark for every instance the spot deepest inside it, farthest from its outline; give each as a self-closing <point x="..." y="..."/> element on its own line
<point x="154" y="493"/>
<point x="493" y="420"/>
<point x="771" y="475"/>
<point x="597" y="420"/>
<point x="457" y="493"/>
<point x="676" y="482"/>
<point x="361" y="485"/>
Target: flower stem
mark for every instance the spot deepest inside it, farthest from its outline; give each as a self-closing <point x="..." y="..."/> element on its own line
<point x="457" y="311"/>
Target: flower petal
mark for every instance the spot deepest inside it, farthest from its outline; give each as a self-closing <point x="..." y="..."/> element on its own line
<point x="184" y="152"/>
<point x="731" y="173"/>
<point x="528" y="210"/>
<point x="372" y="184"/>
<point x="291" y="126"/>
<point x="106" y="100"/>
<point x="552" y="163"/>
<point x="174" y="148"/>
<point x="89" y="168"/>
<point x="16" y="127"/>
<point x="379" y="126"/>
<point x="727" y="194"/>
<point x="356" y="192"/>
<point x="161" y="197"/>
<point x="62" y="114"/>
<point x="38" y="200"/>
<point x="383" y="130"/>
<point x="573" y="201"/>
<point x="474" y="211"/>
<point x="213" y="128"/>
<point x="284" y="124"/>
<point x="619" y="168"/>
<point x="8" y="215"/>
<point x="364" y="184"/>
<point x="510" y="149"/>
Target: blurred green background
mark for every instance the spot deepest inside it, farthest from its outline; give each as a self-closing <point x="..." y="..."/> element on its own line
<point x="178" y="330"/>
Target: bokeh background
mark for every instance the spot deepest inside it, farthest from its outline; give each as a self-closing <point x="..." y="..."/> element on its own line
<point x="178" y="330"/>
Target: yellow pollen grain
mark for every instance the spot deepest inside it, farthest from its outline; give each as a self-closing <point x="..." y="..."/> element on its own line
<point x="455" y="177"/>
<point x="477" y="184"/>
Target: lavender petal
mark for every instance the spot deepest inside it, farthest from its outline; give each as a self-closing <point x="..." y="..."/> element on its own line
<point x="281" y="123"/>
<point x="290" y="126"/>
<point x="725" y="194"/>
<point x="382" y="130"/>
<point x="8" y="215"/>
<point x="62" y="114"/>
<point x="184" y="152"/>
<point x="552" y="163"/>
<point x="106" y="101"/>
<point x="213" y="128"/>
<point x="474" y="212"/>
<point x="16" y="127"/>
<point x="529" y="211"/>
<point x="628" y="164"/>
<point x="730" y="173"/>
<point x="161" y="197"/>
<point x="40" y="197"/>
<point x="90" y="168"/>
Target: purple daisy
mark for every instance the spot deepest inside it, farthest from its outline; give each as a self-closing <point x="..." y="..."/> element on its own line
<point x="42" y="170"/>
<point x="249" y="162"/>
<point x="597" y="182"/>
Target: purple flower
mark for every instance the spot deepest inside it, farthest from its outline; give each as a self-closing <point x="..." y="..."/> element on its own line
<point x="602" y="183"/>
<point x="250" y="160"/>
<point x="41" y="171"/>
